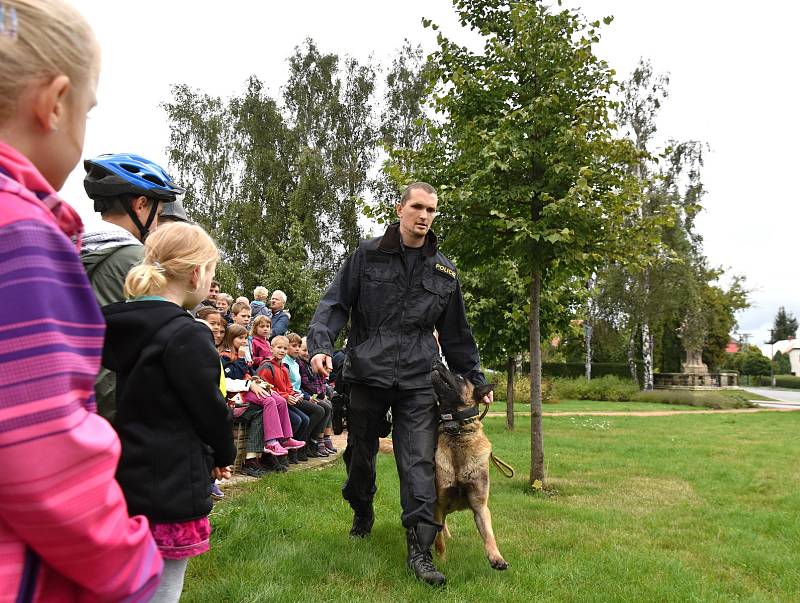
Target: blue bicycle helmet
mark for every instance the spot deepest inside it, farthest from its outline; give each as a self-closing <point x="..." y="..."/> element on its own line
<point x="111" y="178"/>
<point x="128" y="174"/>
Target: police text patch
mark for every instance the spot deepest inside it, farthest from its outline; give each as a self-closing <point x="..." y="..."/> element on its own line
<point x="448" y="271"/>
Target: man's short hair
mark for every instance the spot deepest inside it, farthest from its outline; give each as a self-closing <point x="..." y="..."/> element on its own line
<point x="214" y="284"/>
<point x="416" y="186"/>
<point x="260" y="293"/>
<point x="238" y="307"/>
<point x="280" y="294"/>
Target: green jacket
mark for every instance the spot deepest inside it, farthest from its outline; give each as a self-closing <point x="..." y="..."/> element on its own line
<point x="107" y="256"/>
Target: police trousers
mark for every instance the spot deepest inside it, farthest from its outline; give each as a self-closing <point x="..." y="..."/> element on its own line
<point x="415" y="421"/>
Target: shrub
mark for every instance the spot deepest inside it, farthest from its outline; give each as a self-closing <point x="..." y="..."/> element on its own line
<point x="702" y="398"/>
<point x="522" y="389"/>
<point x="608" y="388"/>
<point x="788" y="381"/>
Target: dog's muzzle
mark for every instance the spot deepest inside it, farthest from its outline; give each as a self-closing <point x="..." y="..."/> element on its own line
<point x="453" y="422"/>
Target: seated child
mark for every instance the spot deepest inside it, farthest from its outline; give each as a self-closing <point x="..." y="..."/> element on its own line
<point x="276" y="374"/>
<point x="259" y="345"/>
<point x="313" y="386"/>
<point x="232" y="352"/>
<point x="318" y="415"/>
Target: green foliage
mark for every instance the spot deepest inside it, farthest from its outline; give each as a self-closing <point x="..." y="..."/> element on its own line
<point x="751" y="361"/>
<point x="578" y="369"/>
<point x="522" y="390"/>
<point x="787" y="381"/>
<point x="718" y="400"/>
<point x="782" y="364"/>
<point x="606" y="388"/>
<point x="785" y="325"/>
<point x="280" y="188"/>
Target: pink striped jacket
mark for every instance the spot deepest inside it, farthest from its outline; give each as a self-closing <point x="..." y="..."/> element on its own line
<point x="65" y="533"/>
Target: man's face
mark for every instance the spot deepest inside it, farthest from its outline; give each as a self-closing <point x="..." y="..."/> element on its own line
<point x="416" y="216"/>
<point x="276" y="303"/>
<point x="242" y="318"/>
<point x="279" y="350"/>
<point x="212" y="293"/>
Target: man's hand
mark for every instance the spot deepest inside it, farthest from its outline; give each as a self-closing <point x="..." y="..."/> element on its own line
<point x="322" y="364"/>
<point x="221" y="473"/>
<point x="488" y="398"/>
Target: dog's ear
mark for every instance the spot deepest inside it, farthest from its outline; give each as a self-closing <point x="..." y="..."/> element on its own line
<point x="481" y="390"/>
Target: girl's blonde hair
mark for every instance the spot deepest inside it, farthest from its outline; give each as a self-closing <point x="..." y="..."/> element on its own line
<point x="259" y="320"/>
<point x="51" y="38"/>
<point x="171" y="253"/>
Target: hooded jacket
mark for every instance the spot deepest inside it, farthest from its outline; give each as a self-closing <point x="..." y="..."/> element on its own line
<point x="393" y="313"/>
<point x="65" y="532"/>
<point x="107" y="255"/>
<point x="172" y="418"/>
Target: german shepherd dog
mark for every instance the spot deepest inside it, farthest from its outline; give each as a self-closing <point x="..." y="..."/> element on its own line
<point x="462" y="459"/>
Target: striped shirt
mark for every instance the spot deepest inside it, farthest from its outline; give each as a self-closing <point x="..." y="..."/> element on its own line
<point x="65" y="533"/>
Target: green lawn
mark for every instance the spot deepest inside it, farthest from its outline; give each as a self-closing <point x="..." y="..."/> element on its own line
<point x="595" y="406"/>
<point x="675" y="508"/>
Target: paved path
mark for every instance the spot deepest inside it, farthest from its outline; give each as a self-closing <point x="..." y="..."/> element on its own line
<point x="784" y="398"/>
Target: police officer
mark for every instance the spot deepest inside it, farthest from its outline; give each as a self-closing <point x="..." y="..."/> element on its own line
<point x="396" y="289"/>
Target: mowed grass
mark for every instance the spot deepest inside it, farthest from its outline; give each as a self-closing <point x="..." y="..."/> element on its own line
<point x="674" y="508"/>
<point x="595" y="406"/>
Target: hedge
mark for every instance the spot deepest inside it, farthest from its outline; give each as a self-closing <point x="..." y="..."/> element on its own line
<point x="578" y="369"/>
<point x="788" y="381"/>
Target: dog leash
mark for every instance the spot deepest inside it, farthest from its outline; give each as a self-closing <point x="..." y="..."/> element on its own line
<point x="506" y="469"/>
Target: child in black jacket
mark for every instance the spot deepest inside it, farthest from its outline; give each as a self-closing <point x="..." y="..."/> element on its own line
<point x="172" y="418"/>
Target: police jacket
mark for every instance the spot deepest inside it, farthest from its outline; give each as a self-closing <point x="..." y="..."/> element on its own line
<point x="393" y="315"/>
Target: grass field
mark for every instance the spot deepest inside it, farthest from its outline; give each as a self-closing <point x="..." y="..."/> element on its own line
<point x="675" y="508"/>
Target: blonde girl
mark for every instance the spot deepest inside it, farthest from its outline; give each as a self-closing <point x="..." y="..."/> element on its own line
<point x="172" y="418"/>
<point x="57" y="546"/>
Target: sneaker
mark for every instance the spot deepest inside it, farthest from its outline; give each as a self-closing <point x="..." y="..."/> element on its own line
<point x="216" y="492"/>
<point x="274" y="463"/>
<point x="292" y="444"/>
<point x="329" y="446"/>
<point x="311" y="450"/>
<point x="276" y="449"/>
<point x="294" y="457"/>
<point x="253" y="468"/>
<point x="302" y="455"/>
<point x="322" y="451"/>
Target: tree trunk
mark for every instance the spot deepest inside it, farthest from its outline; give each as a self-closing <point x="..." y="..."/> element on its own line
<point x="534" y="332"/>
<point x="587" y="338"/>
<point x="510" y="365"/>
<point x="647" y="353"/>
<point x="632" y="354"/>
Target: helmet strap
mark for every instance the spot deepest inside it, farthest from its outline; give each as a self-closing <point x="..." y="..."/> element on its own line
<point x="144" y="229"/>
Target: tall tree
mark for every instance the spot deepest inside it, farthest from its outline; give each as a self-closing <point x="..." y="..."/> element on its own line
<point x="785" y="325"/>
<point x="526" y="159"/>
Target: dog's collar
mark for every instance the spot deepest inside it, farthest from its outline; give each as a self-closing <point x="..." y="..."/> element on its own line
<point x="453" y="422"/>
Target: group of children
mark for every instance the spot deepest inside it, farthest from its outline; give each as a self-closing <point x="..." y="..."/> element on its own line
<point x="113" y="511"/>
<point x="271" y="387"/>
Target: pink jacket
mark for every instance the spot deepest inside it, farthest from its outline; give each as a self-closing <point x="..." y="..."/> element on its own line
<point x="65" y="533"/>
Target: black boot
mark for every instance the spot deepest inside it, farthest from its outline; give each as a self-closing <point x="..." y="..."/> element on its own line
<point x="301" y="454"/>
<point x="420" y="560"/>
<point x="363" y="519"/>
<point x="293" y="457"/>
<point x="311" y="449"/>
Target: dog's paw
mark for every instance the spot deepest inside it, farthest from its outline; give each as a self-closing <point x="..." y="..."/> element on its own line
<point x="499" y="563"/>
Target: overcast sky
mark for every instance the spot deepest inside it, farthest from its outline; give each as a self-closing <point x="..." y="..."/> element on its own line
<point x="732" y="69"/>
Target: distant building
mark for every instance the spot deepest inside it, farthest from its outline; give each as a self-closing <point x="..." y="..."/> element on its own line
<point x="789" y="347"/>
<point x="733" y="347"/>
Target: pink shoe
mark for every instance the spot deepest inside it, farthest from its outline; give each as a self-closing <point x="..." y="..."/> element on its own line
<point x="292" y="444"/>
<point x="276" y="449"/>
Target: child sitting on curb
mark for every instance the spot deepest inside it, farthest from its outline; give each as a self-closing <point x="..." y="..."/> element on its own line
<point x="259" y="344"/>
